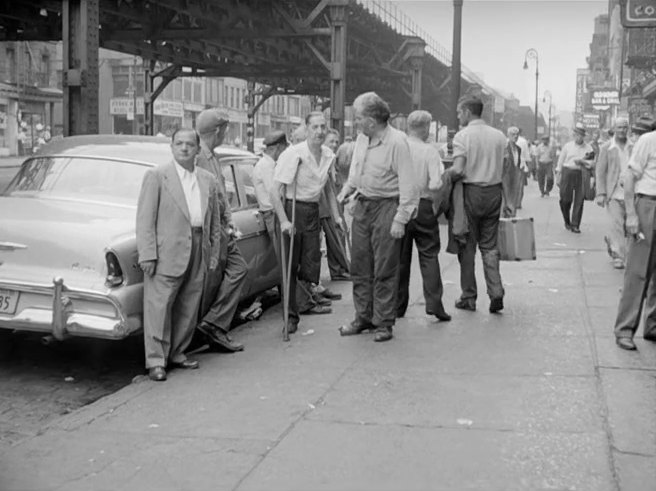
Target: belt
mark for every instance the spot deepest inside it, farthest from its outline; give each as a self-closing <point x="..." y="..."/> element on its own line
<point x="305" y="203"/>
<point x="362" y="197"/>
<point x="197" y="230"/>
<point x="646" y="196"/>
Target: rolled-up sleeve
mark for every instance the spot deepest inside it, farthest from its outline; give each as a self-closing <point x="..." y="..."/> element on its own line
<point x="435" y="169"/>
<point x="286" y="166"/>
<point x="639" y="158"/>
<point x="408" y="188"/>
<point x="460" y="145"/>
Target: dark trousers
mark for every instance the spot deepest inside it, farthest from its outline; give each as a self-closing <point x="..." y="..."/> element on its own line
<point x="639" y="279"/>
<point x="306" y="257"/>
<point x="338" y="263"/>
<point x="374" y="262"/>
<point x="571" y="196"/>
<point x="171" y="309"/>
<point x="545" y="177"/>
<point x="482" y="207"/>
<point x="425" y="232"/>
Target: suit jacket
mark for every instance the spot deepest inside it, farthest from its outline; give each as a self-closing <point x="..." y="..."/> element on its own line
<point x="609" y="167"/>
<point x="163" y="224"/>
<point x="512" y="180"/>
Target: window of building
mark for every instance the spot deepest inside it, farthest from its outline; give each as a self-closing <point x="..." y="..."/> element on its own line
<point x="177" y="90"/>
<point x="10" y="67"/>
<point x="225" y="96"/>
<point x="232" y="97"/>
<point x="198" y="93"/>
<point x="187" y="91"/>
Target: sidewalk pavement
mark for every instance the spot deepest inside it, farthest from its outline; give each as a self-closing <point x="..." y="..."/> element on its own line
<point x="538" y="398"/>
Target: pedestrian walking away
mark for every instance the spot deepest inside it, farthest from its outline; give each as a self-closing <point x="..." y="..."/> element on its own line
<point x="382" y="183"/>
<point x="423" y="230"/>
<point x="478" y="154"/>
<point x="301" y="176"/>
<point x="639" y="279"/>
<point x="513" y="175"/>
<point x="612" y="163"/>
<point x="178" y="240"/>
<point x="545" y="155"/>
<point x="224" y="284"/>
<point x="526" y="167"/>
<point x="574" y="155"/>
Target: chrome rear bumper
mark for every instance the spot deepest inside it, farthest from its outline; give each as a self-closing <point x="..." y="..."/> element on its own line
<point x="60" y="318"/>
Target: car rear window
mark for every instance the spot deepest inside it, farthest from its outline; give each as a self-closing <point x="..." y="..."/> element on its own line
<point x="82" y="178"/>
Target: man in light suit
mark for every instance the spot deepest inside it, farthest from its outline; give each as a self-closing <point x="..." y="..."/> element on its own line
<point x="178" y="234"/>
<point x="612" y="163"/>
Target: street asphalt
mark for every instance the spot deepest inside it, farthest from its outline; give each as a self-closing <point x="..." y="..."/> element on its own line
<point x="537" y="398"/>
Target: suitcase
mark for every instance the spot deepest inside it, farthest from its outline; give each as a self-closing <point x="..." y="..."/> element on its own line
<point x="516" y="239"/>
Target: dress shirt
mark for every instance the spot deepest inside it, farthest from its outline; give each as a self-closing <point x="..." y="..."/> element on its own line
<point x="484" y="148"/>
<point x="428" y="166"/>
<point x="263" y="173"/>
<point x="624" y="154"/>
<point x="545" y="154"/>
<point x="522" y="143"/>
<point x="643" y="164"/>
<point x="189" y="181"/>
<point x="298" y="161"/>
<point x="571" y="152"/>
<point x="381" y="168"/>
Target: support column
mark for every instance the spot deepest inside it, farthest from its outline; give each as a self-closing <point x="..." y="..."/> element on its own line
<point x="149" y="98"/>
<point x="250" y="124"/>
<point x="415" y="51"/>
<point x="338" y="20"/>
<point x="80" y="20"/>
<point x="455" y="65"/>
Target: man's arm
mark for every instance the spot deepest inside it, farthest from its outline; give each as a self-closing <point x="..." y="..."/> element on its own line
<point x="349" y="186"/>
<point x="408" y="189"/>
<point x="146" y="229"/>
<point x="284" y="175"/>
<point x="600" y="176"/>
<point x="215" y="225"/>
<point x="435" y="170"/>
<point x="637" y="164"/>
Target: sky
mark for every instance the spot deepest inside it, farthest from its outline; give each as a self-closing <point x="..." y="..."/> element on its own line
<point x="497" y="33"/>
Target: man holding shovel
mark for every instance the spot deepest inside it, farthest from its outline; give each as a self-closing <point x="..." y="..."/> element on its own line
<point x="301" y="175"/>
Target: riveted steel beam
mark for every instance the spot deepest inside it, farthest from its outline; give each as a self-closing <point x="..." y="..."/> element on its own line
<point x="338" y="14"/>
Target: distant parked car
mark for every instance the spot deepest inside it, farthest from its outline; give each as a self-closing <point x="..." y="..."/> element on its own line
<point x="68" y="256"/>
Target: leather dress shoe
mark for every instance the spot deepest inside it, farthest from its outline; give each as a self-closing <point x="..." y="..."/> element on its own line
<point x="496" y="305"/>
<point x="626" y="343"/>
<point x="330" y="295"/>
<point x="355" y="328"/>
<point x="317" y="309"/>
<point x="383" y="334"/>
<point x="292" y="327"/>
<point x="186" y="364"/>
<point x="218" y="338"/>
<point x="576" y="230"/>
<point x="463" y="304"/>
<point x="158" y="374"/>
<point x="443" y="316"/>
<point x="568" y="227"/>
<point x="321" y="300"/>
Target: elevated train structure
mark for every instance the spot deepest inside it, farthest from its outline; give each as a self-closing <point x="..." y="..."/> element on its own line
<point x="334" y="49"/>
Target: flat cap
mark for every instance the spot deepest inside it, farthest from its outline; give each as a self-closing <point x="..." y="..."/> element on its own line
<point x="210" y="119"/>
<point x="644" y="124"/>
<point x="274" y="138"/>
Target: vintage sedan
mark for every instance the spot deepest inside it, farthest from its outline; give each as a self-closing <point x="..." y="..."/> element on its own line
<point x="68" y="256"/>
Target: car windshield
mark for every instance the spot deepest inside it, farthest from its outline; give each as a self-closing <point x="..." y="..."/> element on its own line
<point x="79" y="178"/>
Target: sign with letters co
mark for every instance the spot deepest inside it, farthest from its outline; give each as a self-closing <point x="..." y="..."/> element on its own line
<point x="639" y="13"/>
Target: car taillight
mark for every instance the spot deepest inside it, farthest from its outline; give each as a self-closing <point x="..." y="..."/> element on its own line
<point x="114" y="271"/>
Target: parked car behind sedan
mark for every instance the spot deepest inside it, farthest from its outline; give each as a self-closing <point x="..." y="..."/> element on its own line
<point x="68" y="256"/>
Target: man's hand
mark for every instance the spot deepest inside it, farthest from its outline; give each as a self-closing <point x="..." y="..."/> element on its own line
<point x="632" y="225"/>
<point x="398" y="230"/>
<point x="148" y="267"/>
<point x="339" y="222"/>
<point x="213" y="263"/>
<point x="286" y="227"/>
<point x="601" y="200"/>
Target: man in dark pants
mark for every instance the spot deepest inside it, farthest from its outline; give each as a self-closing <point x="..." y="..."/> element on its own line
<point x="570" y="178"/>
<point x="423" y="229"/>
<point x="478" y="152"/>
<point x="223" y="286"/>
<point x="302" y="173"/>
<point x="639" y="279"/>
<point x="382" y="183"/>
<point x="545" y="155"/>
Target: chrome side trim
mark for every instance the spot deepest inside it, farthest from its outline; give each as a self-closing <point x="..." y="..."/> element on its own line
<point x="11" y="246"/>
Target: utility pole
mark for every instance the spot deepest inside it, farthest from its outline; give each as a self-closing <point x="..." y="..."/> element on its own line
<point x="455" y="65"/>
<point x="532" y="54"/>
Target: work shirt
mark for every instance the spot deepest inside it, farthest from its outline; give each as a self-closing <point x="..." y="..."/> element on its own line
<point x="311" y="176"/>
<point x="643" y="164"/>
<point x="571" y="152"/>
<point x="545" y="154"/>
<point x="522" y="143"/>
<point x="624" y="154"/>
<point x="263" y="173"/>
<point x="189" y="181"/>
<point x="381" y="168"/>
<point x="427" y="165"/>
<point x="483" y="147"/>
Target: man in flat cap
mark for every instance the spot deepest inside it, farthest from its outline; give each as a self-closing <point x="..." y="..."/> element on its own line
<point x="573" y="157"/>
<point x="223" y="288"/>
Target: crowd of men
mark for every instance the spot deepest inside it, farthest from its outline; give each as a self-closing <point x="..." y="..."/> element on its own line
<point x="394" y="186"/>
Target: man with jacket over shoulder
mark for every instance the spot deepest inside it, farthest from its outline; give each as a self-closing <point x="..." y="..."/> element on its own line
<point x="382" y="183"/>
<point x="178" y="240"/>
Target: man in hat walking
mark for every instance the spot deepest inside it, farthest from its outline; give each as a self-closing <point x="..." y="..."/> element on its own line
<point x="574" y="155"/>
<point x="545" y="154"/>
<point x="223" y="288"/>
<point x="639" y="279"/>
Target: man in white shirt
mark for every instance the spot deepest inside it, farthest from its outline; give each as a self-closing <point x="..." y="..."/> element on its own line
<point x="423" y="229"/>
<point x="177" y="243"/>
<point x="570" y="179"/>
<point x="611" y="165"/>
<point x="639" y="280"/>
<point x="545" y="155"/>
<point x="522" y="143"/>
<point x="302" y="173"/>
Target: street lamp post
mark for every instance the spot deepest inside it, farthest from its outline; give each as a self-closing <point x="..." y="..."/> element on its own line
<point x="532" y="54"/>
<point x="455" y="64"/>
<point x="544" y="99"/>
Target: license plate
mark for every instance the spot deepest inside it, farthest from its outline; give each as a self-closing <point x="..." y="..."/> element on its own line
<point x="8" y="301"/>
